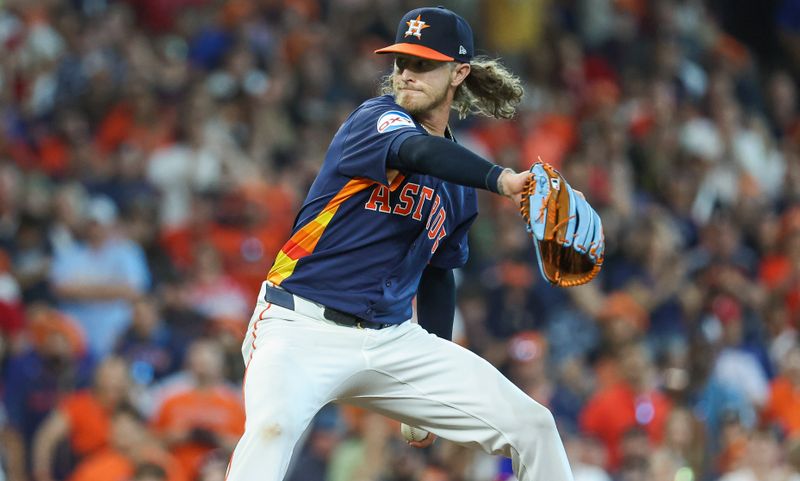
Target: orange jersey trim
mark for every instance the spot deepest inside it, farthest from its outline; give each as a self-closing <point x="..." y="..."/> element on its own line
<point x="305" y="240"/>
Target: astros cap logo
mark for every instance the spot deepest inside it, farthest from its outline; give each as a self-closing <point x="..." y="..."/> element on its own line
<point x="415" y="27"/>
<point x="449" y="41"/>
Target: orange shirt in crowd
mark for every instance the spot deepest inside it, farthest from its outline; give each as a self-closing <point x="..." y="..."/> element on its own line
<point x="551" y="137"/>
<point x="89" y="422"/>
<point x="783" y="406"/>
<point x="776" y="272"/>
<point x="612" y="412"/>
<point x="111" y="465"/>
<point x="120" y="126"/>
<point x="218" y="410"/>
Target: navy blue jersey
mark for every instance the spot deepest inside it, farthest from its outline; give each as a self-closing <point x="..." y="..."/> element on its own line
<point x="361" y="241"/>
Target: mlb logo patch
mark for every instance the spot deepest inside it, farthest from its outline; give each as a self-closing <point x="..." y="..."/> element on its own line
<point x="393" y="120"/>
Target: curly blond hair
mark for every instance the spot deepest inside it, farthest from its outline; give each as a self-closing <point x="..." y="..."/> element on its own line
<point x="490" y="89"/>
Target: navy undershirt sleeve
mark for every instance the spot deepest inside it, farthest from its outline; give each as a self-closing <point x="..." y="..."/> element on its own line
<point x="436" y="301"/>
<point x="446" y="160"/>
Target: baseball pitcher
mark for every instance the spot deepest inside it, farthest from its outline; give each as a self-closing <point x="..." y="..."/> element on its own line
<point x="386" y="220"/>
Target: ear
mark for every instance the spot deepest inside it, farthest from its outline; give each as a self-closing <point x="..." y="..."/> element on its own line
<point x="459" y="73"/>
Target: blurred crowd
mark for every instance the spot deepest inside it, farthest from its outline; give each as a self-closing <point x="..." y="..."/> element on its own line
<point x="153" y="154"/>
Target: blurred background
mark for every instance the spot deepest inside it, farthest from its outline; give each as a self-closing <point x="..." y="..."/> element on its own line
<point x="153" y="154"/>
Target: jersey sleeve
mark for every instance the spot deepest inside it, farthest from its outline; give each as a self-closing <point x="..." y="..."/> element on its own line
<point x="375" y="131"/>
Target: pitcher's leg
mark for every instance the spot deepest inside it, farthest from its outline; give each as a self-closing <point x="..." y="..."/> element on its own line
<point x="439" y="386"/>
<point x="290" y="375"/>
<point x="278" y="410"/>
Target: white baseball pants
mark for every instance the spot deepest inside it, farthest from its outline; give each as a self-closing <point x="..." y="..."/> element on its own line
<point x="297" y="362"/>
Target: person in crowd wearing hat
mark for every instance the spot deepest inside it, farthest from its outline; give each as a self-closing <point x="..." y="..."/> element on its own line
<point x="96" y="280"/>
<point x="51" y="364"/>
<point x="386" y="220"/>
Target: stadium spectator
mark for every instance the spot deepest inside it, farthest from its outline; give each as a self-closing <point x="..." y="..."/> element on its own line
<point x="574" y="385"/>
<point x="631" y="406"/>
<point x="207" y="415"/>
<point x="363" y="452"/>
<point x="54" y="365"/>
<point x="12" y="316"/>
<point x="31" y="258"/>
<point x="762" y="460"/>
<point x="67" y="218"/>
<point x="683" y="446"/>
<point x="147" y="345"/>
<point x="12" y="448"/>
<point x="83" y="418"/>
<point x="326" y="433"/>
<point x="10" y="193"/>
<point x="132" y="453"/>
<point x="528" y="366"/>
<point x="96" y="281"/>
<point x="211" y="292"/>
<point x="783" y="405"/>
<point x="736" y="365"/>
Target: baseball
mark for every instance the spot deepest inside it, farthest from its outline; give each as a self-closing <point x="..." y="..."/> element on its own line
<point x="411" y="433"/>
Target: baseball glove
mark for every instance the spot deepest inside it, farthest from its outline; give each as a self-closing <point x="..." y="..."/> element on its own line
<point x="566" y="231"/>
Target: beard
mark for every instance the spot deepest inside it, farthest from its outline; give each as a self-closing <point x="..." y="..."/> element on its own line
<point x="418" y="102"/>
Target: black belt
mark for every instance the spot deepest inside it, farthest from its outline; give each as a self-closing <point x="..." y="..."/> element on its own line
<point x="283" y="298"/>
